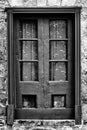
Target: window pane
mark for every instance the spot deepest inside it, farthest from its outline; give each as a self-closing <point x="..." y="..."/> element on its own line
<point x="29" y="101"/>
<point x="28" y="29"/>
<point x="58" y="101"/>
<point x="57" y="28"/>
<point x="57" y="50"/>
<point x="29" y="71"/>
<point x="29" y="50"/>
<point x="58" y="71"/>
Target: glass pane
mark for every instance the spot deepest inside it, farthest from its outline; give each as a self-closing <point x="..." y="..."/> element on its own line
<point x="57" y="28"/>
<point x="57" y="50"/>
<point x="58" y="71"/>
<point x="58" y="101"/>
<point x="28" y="29"/>
<point x="29" y="101"/>
<point x="29" y="71"/>
<point x="29" y="50"/>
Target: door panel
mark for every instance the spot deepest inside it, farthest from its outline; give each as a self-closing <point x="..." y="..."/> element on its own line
<point x="29" y="64"/>
<point x="59" y="65"/>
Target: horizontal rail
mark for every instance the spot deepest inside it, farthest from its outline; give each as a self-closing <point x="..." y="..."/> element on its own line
<point x="28" y="39"/>
<point x="28" y="60"/>
<point x="59" y="39"/>
<point x="58" y="60"/>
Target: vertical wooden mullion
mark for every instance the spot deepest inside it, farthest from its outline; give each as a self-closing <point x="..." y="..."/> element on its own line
<point x="77" y="69"/>
<point x="33" y="64"/>
<point x="40" y="63"/>
<point x="47" y="95"/>
<point x="46" y="49"/>
<point x="32" y="53"/>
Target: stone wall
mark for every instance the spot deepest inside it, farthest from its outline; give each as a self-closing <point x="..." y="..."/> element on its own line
<point x="40" y="124"/>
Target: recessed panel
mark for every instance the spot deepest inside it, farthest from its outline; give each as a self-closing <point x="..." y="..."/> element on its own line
<point x="58" y="101"/>
<point x="29" y="101"/>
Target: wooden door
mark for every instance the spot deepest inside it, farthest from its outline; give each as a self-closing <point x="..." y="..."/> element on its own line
<point x="59" y="64"/>
<point x="29" y="61"/>
<point x="45" y="66"/>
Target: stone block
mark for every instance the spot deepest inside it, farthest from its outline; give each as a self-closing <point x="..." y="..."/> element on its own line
<point x="41" y="3"/>
<point x="2" y="4"/>
<point x="16" y="2"/>
<point x="68" y="2"/>
<point x="82" y="3"/>
<point x="66" y="128"/>
<point x="3" y="51"/>
<point x="84" y="127"/>
<point x="3" y="30"/>
<point x="30" y="3"/>
<point x="2" y="110"/>
<point x="1" y="83"/>
<point x="3" y="99"/>
<point x="84" y="112"/>
<point x="3" y="69"/>
<point x="54" y="2"/>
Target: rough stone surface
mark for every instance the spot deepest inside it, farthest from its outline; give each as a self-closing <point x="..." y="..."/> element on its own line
<point x="41" y="3"/>
<point x="54" y="2"/>
<point x="68" y="2"/>
<point x="84" y="111"/>
<point x="16" y="2"/>
<point x="30" y="3"/>
<point x="41" y="124"/>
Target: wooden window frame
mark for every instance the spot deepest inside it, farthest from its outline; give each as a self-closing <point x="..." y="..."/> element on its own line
<point x="11" y="74"/>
